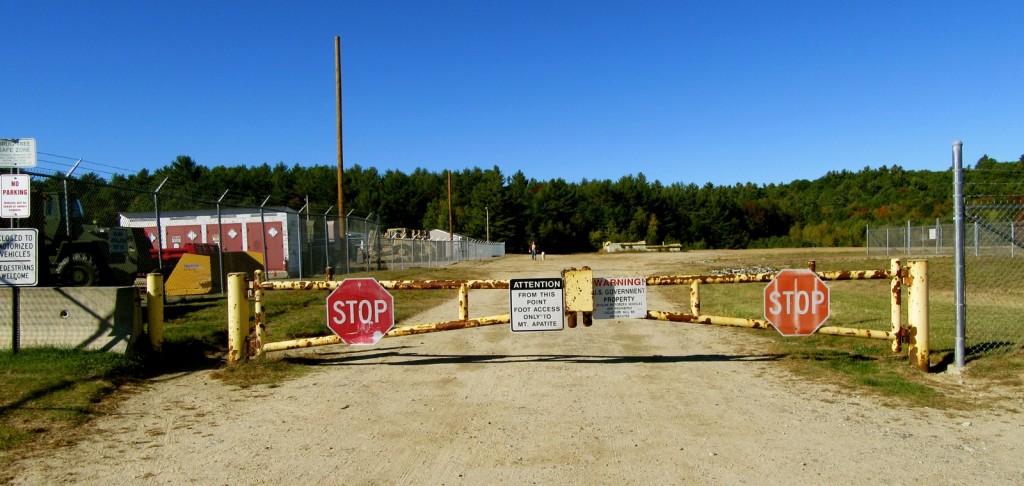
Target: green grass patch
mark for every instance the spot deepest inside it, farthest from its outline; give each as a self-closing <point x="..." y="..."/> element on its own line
<point x="46" y="391"/>
<point x="867" y="365"/>
<point x="259" y="371"/>
<point x="862" y="368"/>
<point x="195" y="332"/>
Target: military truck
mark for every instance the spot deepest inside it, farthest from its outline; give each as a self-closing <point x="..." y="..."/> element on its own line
<point x="77" y="253"/>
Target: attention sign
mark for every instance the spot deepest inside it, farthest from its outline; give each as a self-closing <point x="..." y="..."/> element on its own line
<point x="538" y="304"/>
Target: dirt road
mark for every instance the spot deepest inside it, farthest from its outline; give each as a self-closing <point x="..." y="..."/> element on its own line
<point x="622" y="402"/>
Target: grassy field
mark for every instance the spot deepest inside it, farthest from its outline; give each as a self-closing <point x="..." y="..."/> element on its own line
<point x="46" y="393"/>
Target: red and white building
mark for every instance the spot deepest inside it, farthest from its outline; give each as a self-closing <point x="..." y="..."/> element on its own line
<point x="274" y="234"/>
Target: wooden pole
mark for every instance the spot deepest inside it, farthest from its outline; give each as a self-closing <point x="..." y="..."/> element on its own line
<point x="341" y="154"/>
<point x="451" y="226"/>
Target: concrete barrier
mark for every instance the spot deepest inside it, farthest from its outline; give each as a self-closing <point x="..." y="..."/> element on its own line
<point x="95" y="318"/>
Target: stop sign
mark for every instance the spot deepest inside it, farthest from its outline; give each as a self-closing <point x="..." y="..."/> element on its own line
<point x="360" y="311"/>
<point x="796" y="302"/>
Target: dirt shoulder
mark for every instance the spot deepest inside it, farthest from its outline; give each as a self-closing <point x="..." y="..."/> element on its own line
<point x="621" y="402"/>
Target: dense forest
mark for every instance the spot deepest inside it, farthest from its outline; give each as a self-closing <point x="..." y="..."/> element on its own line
<point x="566" y="217"/>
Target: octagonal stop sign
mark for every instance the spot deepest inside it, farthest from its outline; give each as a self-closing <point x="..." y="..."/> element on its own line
<point x="796" y="302"/>
<point x="360" y="311"/>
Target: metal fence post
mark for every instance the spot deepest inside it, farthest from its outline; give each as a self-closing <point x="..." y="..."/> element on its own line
<point x="15" y="319"/>
<point x="958" y="254"/>
<point x="327" y="231"/>
<point x="301" y="229"/>
<point x="159" y="231"/>
<point x="907" y="240"/>
<point x="977" y="240"/>
<point x="263" y="238"/>
<point x="220" y="244"/>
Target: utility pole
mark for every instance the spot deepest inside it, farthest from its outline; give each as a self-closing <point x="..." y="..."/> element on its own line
<point x="451" y="224"/>
<point x="341" y="155"/>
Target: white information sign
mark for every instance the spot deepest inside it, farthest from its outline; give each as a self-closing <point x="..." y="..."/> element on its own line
<point x="17" y="152"/>
<point x="14" y="195"/>
<point x="19" y="256"/>
<point x="538" y="304"/>
<point x="620" y="298"/>
<point x="118" y="239"/>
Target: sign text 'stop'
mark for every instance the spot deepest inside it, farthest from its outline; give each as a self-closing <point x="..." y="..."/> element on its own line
<point x="360" y="311"/>
<point x="797" y="302"/>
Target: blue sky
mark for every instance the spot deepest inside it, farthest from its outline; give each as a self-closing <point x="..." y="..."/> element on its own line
<point x="683" y="91"/>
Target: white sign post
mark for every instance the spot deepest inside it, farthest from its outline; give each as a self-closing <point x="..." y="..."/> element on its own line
<point x="14" y="195"/>
<point x="620" y="298"/>
<point x="19" y="256"/>
<point x="17" y="152"/>
<point x="538" y="304"/>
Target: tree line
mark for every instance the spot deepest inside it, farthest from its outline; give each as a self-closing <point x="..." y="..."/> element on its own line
<point x="566" y="217"/>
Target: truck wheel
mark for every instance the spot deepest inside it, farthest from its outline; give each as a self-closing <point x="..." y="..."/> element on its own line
<point x="79" y="271"/>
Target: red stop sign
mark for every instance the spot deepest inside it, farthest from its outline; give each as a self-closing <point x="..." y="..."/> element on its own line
<point x="360" y="311"/>
<point x="796" y="302"/>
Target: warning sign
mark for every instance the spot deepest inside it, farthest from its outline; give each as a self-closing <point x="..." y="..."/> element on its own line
<point x="538" y="304"/>
<point x="620" y="298"/>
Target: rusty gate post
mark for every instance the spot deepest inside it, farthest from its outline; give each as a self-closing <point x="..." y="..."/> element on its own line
<point x="896" y="304"/>
<point x="578" y="291"/>
<point x="570" y="319"/>
<point x="695" y="297"/>
<point x="463" y="302"/>
<point x="238" y="318"/>
<point x="917" y="317"/>
<point x="259" y="321"/>
<point x="155" y="310"/>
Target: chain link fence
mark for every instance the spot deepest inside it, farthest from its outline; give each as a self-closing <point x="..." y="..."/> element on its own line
<point x="993" y="248"/>
<point x="980" y="237"/>
<point x="993" y="256"/>
<point x="403" y="249"/>
<point x="910" y="240"/>
<point x="192" y="236"/>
